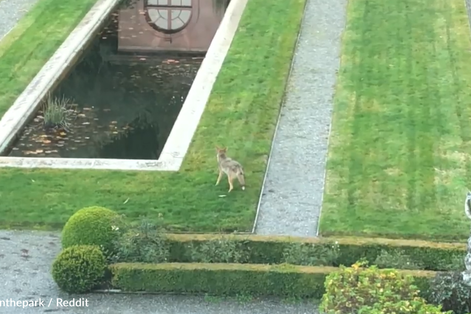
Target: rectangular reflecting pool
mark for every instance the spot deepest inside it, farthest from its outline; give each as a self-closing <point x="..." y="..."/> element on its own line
<point x="118" y="101"/>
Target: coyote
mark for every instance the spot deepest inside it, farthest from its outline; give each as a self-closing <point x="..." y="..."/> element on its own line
<point x="230" y="167"/>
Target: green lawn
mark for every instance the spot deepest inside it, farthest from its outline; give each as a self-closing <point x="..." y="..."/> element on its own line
<point x="241" y="114"/>
<point x="25" y="50"/>
<point x="399" y="157"/>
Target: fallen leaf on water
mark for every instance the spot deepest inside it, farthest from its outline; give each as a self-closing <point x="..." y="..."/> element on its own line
<point x="39" y="151"/>
<point x="114" y="122"/>
<point x="86" y="123"/>
<point x="46" y="141"/>
<point x="62" y="134"/>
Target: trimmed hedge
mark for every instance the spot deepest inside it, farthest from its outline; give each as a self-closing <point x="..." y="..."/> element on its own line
<point x="269" y="249"/>
<point x="232" y="279"/>
<point x="93" y="226"/>
<point x="78" y="269"/>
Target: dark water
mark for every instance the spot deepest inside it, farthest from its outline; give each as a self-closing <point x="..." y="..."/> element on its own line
<point x="122" y="105"/>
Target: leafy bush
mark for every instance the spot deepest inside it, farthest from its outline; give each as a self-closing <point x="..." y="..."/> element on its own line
<point x="222" y="250"/>
<point x="449" y="290"/>
<point x="310" y="254"/>
<point x="396" y="259"/>
<point x="78" y="269"/>
<point x="93" y="226"/>
<point x="371" y="290"/>
<point x="144" y="244"/>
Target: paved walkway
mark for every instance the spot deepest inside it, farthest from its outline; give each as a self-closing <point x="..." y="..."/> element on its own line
<point x="11" y="11"/>
<point x="292" y="195"/>
<point x="25" y="269"/>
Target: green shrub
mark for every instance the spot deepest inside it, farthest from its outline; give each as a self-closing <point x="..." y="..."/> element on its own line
<point x="276" y="249"/>
<point x="219" y="279"/>
<point x="230" y="279"/>
<point x="310" y="254"/>
<point x="222" y="250"/>
<point x="78" y="269"/>
<point x="93" y="226"/>
<point x="396" y="259"/>
<point x="449" y="290"/>
<point x="143" y="244"/>
<point x="402" y="307"/>
<point x="370" y="290"/>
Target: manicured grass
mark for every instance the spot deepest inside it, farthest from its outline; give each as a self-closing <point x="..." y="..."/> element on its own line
<point x="25" y="50"/>
<point x="241" y="114"/>
<point x="399" y="157"/>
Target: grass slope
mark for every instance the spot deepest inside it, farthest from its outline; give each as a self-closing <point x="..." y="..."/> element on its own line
<point x="399" y="158"/>
<point x="25" y="50"/>
<point x="241" y="114"/>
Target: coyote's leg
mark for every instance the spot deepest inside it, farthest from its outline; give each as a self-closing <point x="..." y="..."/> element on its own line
<point x="229" y="179"/>
<point x="219" y="177"/>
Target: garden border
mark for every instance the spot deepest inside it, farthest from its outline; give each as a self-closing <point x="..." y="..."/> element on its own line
<point x="183" y="130"/>
<point x="199" y="278"/>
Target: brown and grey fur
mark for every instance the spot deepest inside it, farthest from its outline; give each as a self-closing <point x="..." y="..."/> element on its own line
<point x="230" y="167"/>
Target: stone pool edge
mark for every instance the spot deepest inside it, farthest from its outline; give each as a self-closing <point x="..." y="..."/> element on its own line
<point x="64" y="58"/>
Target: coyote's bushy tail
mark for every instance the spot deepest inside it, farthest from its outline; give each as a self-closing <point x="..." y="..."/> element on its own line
<point x="241" y="178"/>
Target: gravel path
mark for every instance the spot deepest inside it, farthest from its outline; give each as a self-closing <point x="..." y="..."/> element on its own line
<point x="292" y="194"/>
<point x="11" y="11"/>
<point x="25" y="276"/>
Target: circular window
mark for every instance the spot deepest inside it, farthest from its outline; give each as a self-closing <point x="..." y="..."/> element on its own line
<point x="168" y="16"/>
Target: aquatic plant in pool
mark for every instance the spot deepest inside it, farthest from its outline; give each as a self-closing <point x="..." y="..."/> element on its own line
<point x="56" y="113"/>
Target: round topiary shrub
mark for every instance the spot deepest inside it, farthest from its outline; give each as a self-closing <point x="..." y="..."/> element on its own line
<point x="93" y="226"/>
<point x="78" y="269"/>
